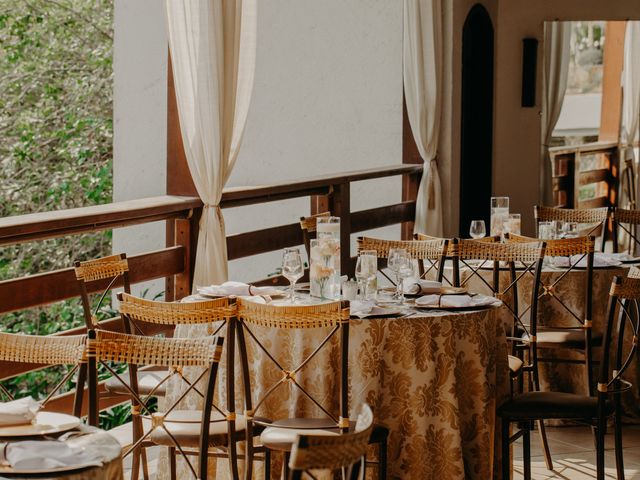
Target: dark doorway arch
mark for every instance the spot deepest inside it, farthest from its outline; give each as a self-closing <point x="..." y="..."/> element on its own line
<point x="476" y="132"/>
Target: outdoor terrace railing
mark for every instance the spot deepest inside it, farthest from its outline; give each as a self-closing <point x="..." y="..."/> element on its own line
<point x="175" y="262"/>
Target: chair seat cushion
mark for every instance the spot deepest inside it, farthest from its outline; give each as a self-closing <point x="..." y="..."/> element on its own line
<point x="184" y="425"/>
<point x="282" y="434"/>
<point x="147" y="381"/>
<point x="542" y="405"/>
<point x="565" y="338"/>
<point x="515" y="365"/>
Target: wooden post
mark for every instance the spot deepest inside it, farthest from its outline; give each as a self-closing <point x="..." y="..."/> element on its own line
<point x="410" y="154"/>
<point x="182" y="236"/>
<point x="340" y="206"/>
<point x="611" y="111"/>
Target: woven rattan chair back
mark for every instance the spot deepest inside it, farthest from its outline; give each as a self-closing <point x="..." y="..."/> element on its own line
<point x="430" y="254"/>
<point x="580" y="254"/>
<point x="591" y="221"/>
<point x="107" y="272"/>
<point x="107" y="349"/>
<point x="335" y="452"/>
<point x="308" y="225"/>
<point x="625" y="223"/>
<point x="141" y="312"/>
<point x="44" y="350"/>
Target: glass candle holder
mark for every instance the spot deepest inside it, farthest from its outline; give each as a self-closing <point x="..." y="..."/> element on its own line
<point x="499" y="214"/>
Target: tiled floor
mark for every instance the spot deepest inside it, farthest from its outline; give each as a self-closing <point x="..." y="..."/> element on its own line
<point x="573" y="454"/>
<point x="572" y="451"/>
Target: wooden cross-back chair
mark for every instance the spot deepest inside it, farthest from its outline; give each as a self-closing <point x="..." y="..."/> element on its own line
<point x="345" y="452"/>
<point x="626" y="222"/>
<point x="430" y="254"/>
<point x="140" y="312"/>
<point x="622" y="323"/>
<point x="579" y="336"/>
<point x="108" y="348"/>
<point x="50" y="351"/>
<point x="522" y="260"/>
<point x="591" y="221"/>
<point x="309" y="225"/>
<point x="280" y="434"/>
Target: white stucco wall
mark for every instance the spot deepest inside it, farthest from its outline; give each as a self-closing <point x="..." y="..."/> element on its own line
<point x="139" y="118"/>
<point x="327" y="98"/>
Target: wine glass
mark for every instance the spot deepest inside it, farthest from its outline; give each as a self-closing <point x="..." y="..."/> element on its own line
<point x="366" y="268"/>
<point x="399" y="262"/>
<point x="477" y="229"/>
<point x="292" y="269"/>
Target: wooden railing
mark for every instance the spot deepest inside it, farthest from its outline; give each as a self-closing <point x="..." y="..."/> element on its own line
<point x="175" y="262"/>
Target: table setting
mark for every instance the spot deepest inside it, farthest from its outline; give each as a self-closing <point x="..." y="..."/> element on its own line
<point x="36" y="443"/>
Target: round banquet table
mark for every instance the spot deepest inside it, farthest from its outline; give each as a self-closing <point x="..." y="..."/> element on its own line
<point x="557" y="376"/>
<point x="93" y="440"/>
<point x="433" y="378"/>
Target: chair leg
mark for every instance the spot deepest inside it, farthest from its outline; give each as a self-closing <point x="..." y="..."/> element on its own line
<point x="600" y="452"/>
<point x="382" y="460"/>
<point x="285" y="465"/>
<point x="173" y="471"/>
<point x="145" y="465"/>
<point x="506" y="450"/>
<point x="545" y="444"/>
<point x="79" y="395"/>
<point x="618" y="443"/>
<point x="267" y="464"/>
<point x="526" y="450"/>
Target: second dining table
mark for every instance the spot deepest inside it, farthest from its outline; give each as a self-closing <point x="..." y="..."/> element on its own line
<point x="434" y="378"/>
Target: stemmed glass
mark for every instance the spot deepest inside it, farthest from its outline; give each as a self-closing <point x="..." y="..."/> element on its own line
<point x="292" y="269"/>
<point x="477" y="229"/>
<point x="399" y="262"/>
<point x="366" y="268"/>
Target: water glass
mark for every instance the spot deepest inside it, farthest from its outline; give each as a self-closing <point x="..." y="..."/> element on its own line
<point x="292" y="269"/>
<point x="546" y="230"/>
<point x="400" y="263"/>
<point x="366" y="269"/>
<point x="513" y="224"/>
<point x="349" y="290"/>
<point x="477" y="229"/>
<point x="499" y="214"/>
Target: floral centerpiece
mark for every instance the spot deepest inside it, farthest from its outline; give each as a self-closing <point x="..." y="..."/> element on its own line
<point x="324" y="272"/>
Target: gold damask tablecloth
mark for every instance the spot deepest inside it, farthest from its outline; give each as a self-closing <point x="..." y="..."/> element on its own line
<point x="558" y="376"/>
<point x="435" y="379"/>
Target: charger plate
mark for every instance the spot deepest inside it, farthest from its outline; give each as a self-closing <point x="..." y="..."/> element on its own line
<point x="45" y="423"/>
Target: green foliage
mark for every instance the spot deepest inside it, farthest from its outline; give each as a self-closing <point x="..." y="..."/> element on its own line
<point x="56" y="85"/>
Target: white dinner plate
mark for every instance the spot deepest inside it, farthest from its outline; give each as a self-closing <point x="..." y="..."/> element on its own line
<point x="6" y="469"/>
<point x="45" y="423"/>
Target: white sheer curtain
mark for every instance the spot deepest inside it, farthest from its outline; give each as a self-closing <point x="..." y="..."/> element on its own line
<point x="631" y="92"/>
<point x="423" y="93"/>
<point x="213" y="47"/>
<point x="557" y="36"/>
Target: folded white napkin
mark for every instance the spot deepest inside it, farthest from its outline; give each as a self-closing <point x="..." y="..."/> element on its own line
<point x="45" y="454"/>
<point x="416" y="286"/>
<point x="580" y="261"/>
<point x="18" y="412"/>
<point x="456" y="301"/>
<point x="367" y="308"/>
<point x="237" y="289"/>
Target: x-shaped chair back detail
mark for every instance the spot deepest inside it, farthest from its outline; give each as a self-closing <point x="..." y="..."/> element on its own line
<point x="589" y="220"/>
<point x="521" y="260"/>
<point x="44" y="350"/>
<point x="336" y="452"/>
<point x="333" y="316"/>
<point x="627" y="221"/>
<point x="430" y="254"/>
<point x="106" y="348"/>
<point x="580" y="254"/>
<point x="106" y="270"/>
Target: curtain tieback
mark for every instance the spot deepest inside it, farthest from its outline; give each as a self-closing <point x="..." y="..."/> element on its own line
<point x="431" y="188"/>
